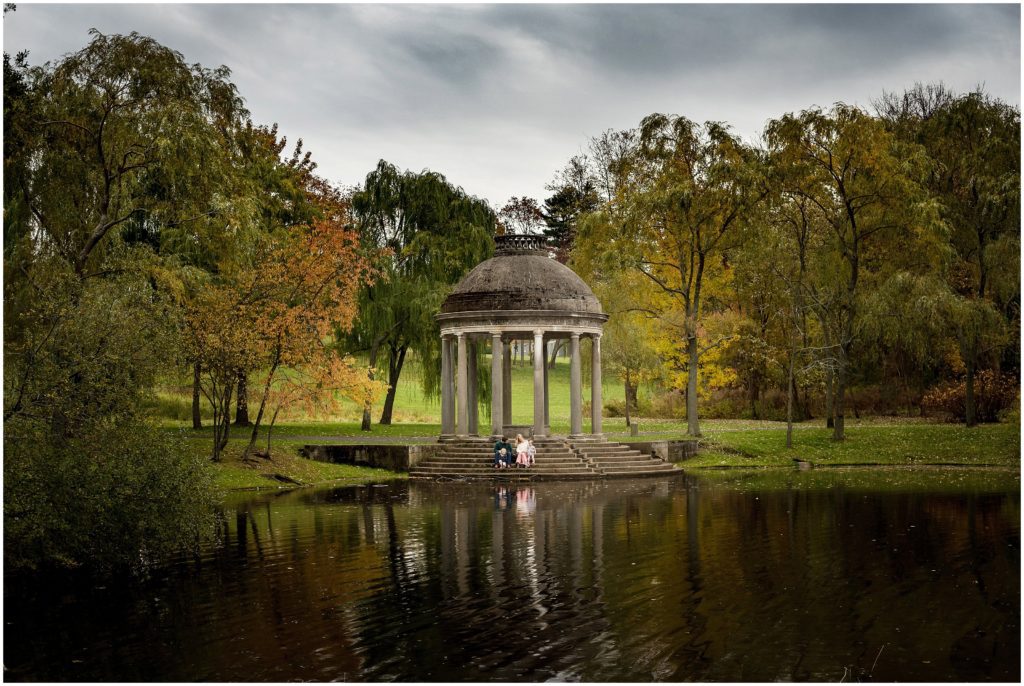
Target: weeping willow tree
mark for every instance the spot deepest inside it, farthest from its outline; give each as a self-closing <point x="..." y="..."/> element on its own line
<point x="431" y="233"/>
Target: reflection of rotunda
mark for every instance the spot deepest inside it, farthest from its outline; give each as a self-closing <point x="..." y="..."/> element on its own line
<point x="519" y="294"/>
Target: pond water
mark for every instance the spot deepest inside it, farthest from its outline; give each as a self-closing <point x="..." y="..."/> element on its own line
<point x="908" y="576"/>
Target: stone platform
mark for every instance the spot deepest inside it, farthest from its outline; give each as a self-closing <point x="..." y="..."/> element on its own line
<point x="558" y="458"/>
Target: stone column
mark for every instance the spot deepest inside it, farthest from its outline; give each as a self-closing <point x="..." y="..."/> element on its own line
<point x="547" y="403"/>
<point x="447" y="392"/>
<point x="497" y="385"/>
<point x="595" y="386"/>
<point x="506" y="385"/>
<point x="462" y="386"/>
<point x="538" y="383"/>
<point x="472" y="404"/>
<point x="575" y="387"/>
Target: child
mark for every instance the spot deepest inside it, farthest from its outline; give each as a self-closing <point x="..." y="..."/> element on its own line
<point x="522" y="451"/>
<point x="531" y="454"/>
<point x="500" y="453"/>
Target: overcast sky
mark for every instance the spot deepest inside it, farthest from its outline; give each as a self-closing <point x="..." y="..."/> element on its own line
<point x="498" y="97"/>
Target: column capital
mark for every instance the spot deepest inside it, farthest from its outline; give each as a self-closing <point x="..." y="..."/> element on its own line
<point x="538" y="332"/>
<point x="575" y="335"/>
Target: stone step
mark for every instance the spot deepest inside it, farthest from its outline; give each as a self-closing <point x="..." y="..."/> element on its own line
<point x="626" y="461"/>
<point x="605" y="449"/>
<point x="496" y="472"/>
<point x="615" y="456"/>
<point x="637" y="472"/>
<point x="557" y="458"/>
<point x="490" y="463"/>
<point x="477" y="451"/>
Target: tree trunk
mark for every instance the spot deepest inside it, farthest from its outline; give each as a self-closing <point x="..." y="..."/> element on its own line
<point x="559" y="344"/>
<point x="242" y="403"/>
<point x="627" y="396"/>
<point x="197" y="417"/>
<point x="395" y="361"/>
<point x="692" y="424"/>
<point x="270" y="429"/>
<point x="839" y="426"/>
<point x="755" y="393"/>
<point x="365" y="426"/>
<point x="790" y="391"/>
<point x="263" y="404"/>
<point x="970" y="408"/>
<point x="830" y="410"/>
<point x="222" y="423"/>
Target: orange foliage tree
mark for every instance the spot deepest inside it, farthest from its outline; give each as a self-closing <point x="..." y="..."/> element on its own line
<point x="281" y="314"/>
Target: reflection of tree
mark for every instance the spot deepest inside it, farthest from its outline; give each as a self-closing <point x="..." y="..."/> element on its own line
<point x="626" y="580"/>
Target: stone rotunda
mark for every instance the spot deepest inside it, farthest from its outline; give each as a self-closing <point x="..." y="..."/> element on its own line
<point x="522" y="294"/>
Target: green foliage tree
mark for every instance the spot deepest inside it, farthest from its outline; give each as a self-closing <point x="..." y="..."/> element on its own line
<point x="429" y="234"/>
<point x="865" y="183"/>
<point x="682" y="203"/>
<point x="108" y="147"/>
<point x="574" y="195"/>
<point x="973" y="142"/>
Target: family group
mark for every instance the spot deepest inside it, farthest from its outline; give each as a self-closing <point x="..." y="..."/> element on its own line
<point x="525" y="453"/>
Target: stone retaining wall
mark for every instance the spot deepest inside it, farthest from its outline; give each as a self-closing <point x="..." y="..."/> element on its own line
<point x="670" y="451"/>
<point x="397" y="458"/>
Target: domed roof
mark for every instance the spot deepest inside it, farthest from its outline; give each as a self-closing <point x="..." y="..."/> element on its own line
<point x="521" y="276"/>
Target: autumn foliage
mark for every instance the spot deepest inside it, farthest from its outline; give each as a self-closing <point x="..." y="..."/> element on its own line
<point x="275" y="321"/>
<point x="995" y="392"/>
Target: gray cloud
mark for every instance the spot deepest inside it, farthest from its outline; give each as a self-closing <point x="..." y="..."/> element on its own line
<point x="497" y="97"/>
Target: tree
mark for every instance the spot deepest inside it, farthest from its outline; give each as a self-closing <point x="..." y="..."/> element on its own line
<point x="104" y="149"/>
<point x="574" y="196"/>
<point x="973" y="141"/>
<point x="865" y="184"/>
<point x="280" y="314"/>
<point x="123" y="132"/>
<point x="307" y="290"/>
<point x="687" y="194"/>
<point x="521" y="215"/>
<point x="427" y="235"/>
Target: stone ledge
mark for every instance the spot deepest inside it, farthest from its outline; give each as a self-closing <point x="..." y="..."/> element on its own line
<point x="397" y="458"/>
<point x="670" y="451"/>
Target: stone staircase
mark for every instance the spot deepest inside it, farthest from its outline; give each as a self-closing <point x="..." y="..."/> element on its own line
<point x="616" y="460"/>
<point x="557" y="459"/>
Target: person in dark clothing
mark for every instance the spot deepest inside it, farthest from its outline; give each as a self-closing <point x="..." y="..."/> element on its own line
<point x="501" y="451"/>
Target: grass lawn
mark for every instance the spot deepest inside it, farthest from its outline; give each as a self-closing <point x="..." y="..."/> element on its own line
<point x="725" y="443"/>
<point x="870" y="443"/>
<point x="173" y="406"/>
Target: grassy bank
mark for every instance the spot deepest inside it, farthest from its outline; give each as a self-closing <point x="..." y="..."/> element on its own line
<point x="921" y="479"/>
<point x="866" y="444"/>
<point x="285" y="469"/>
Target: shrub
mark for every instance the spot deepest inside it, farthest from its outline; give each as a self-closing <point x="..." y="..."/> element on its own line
<point x="993" y="393"/>
<point x="118" y="496"/>
<point x="615" y="408"/>
<point x="668" y="405"/>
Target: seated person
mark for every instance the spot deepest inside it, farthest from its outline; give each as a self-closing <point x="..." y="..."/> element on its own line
<point x="509" y="455"/>
<point x="499" y="452"/>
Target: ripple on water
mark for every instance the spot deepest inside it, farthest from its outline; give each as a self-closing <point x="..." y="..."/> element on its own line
<point x="626" y="581"/>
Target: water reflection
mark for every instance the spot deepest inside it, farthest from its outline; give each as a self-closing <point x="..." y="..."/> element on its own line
<point x="673" y="580"/>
